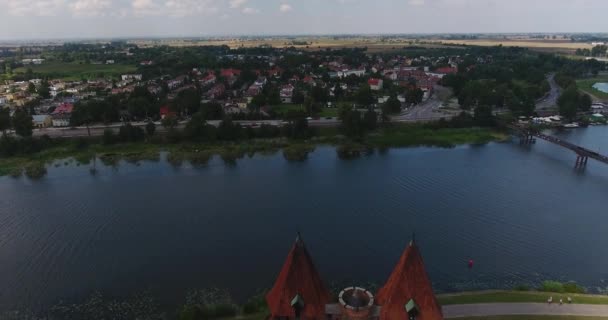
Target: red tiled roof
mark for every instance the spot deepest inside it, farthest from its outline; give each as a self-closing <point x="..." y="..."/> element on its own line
<point x="64" y="108"/>
<point x="409" y="280"/>
<point x="230" y="72"/>
<point x="446" y="70"/>
<point x="298" y="277"/>
<point x="373" y="82"/>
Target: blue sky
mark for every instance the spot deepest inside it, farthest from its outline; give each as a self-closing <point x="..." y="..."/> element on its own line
<point x="39" y="19"/>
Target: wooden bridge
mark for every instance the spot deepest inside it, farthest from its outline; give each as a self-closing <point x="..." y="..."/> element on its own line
<point x="527" y="136"/>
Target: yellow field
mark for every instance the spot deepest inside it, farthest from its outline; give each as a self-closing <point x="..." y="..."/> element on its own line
<point x="373" y="43"/>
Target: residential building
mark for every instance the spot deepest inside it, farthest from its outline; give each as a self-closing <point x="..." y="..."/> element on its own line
<point x="42" y="120"/>
<point x="165" y="111"/>
<point x="216" y="91"/>
<point x="131" y="77"/>
<point x="61" y="115"/>
<point x="287" y="93"/>
<point x="375" y="84"/>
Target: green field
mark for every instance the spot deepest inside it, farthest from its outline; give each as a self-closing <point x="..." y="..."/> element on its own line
<point x="283" y="109"/>
<point x="518" y="296"/>
<point x="77" y="71"/>
<point x="586" y="85"/>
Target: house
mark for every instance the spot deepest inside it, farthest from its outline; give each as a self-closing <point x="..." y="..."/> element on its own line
<point x="261" y="82"/>
<point x="109" y="61"/>
<point x="308" y="80"/>
<point x="216" y="91"/>
<point x="165" y="111"/>
<point x="446" y="70"/>
<point x="131" y="77"/>
<point x="253" y="90"/>
<point x="42" y="120"/>
<point x="146" y="63"/>
<point x="175" y="83"/>
<point x="375" y="84"/>
<point x="229" y="73"/>
<point x="209" y="80"/>
<point x="61" y="115"/>
<point x="287" y="93"/>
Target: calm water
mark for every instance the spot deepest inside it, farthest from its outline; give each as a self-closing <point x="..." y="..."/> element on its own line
<point x="601" y="86"/>
<point x="522" y="213"/>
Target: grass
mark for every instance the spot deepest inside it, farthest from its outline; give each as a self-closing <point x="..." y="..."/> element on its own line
<point x="586" y="85"/>
<point x="518" y="296"/>
<point x="329" y="112"/>
<point x="77" y="71"/>
<point x="283" y="109"/>
<point x="533" y="318"/>
<point x="416" y="135"/>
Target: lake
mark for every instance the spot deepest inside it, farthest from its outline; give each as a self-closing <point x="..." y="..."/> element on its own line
<point x="523" y="213"/>
<point x="601" y="86"/>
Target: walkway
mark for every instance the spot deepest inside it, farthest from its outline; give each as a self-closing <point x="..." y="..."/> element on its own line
<point x="497" y="309"/>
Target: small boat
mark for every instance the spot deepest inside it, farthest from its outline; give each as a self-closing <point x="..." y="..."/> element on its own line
<point x="571" y="125"/>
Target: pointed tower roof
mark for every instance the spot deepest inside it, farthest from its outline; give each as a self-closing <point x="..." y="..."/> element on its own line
<point x="409" y="287"/>
<point x="298" y="281"/>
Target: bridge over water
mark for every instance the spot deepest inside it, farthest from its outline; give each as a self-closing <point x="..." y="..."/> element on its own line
<point x="527" y="136"/>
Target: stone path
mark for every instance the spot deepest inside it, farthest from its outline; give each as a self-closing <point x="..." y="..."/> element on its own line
<point x="495" y="309"/>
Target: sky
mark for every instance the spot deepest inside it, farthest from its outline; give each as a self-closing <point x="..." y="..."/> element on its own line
<point x="61" y="19"/>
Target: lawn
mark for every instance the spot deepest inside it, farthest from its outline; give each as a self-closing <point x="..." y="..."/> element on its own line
<point x="533" y="318"/>
<point x="518" y="296"/>
<point x="77" y="71"/>
<point x="587" y="86"/>
<point x="329" y="112"/>
<point x="283" y="109"/>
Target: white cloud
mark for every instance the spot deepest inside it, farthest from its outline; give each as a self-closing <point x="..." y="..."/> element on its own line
<point x="90" y="7"/>
<point x="250" y="10"/>
<point x="285" y="7"/>
<point x="182" y="8"/>
<point x="32" y="7"/>
<point x="236" y="4"/>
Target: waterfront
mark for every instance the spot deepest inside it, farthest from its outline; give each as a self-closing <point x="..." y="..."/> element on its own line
<point x="522" y="213"/>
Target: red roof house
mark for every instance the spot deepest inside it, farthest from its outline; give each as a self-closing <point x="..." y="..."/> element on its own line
<point x="408" y="290"/>
<point x="64" y="108"/>
<point x="446" y="70"/>
<point x="228" y="73"/>
<point x="298" y="286"/>
<point x="166" y="111"/>
<point x="375" y="84"/>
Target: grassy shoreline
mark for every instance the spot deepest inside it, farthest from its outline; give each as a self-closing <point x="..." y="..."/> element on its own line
<point x="586" y="85"/>
<point x="200" y="153"/>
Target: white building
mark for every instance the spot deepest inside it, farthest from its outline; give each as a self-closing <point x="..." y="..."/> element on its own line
<point x="127" y="77"/>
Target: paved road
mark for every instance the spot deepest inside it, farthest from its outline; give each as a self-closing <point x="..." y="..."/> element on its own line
<point x="550" y="101"/>
<point x="497" y="309"/>
<point x="426" y="111"/>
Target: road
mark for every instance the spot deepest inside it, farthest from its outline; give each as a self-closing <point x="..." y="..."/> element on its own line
<point x="549" y="102"/>
<point x="97" y="130"/>
<point x="498" y="309"/>
<point x="426" y="111"/>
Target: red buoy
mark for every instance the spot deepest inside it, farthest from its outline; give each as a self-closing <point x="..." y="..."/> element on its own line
<point x="471" y="262"/>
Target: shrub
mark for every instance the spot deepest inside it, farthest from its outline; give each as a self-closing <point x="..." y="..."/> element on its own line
<point x="552" y="286"/>
<point x="108" y="137"/>
<point x="572" y="287"/>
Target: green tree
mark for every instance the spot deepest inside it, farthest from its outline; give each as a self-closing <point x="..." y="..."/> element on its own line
<point x="414" y="96"/>
<point x="31" y="88"/>
<point x="352" y="124"/>
<point x="258" y="101"/>
<point x="392" y="105"/>
<point x="364" y="96"/>
<point x="169" y="122"/>
<point x="370" y="119"/>
<point x="568" y="102"/>
<point x="22" y="122"/>
<point x="44" y="90"/>
<point x="585" y="102"/>
<point x="5" y="120"/>
<point x="150" y="128"/>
